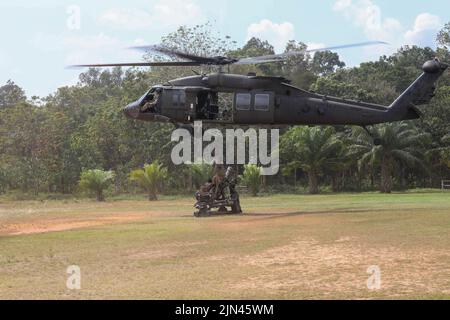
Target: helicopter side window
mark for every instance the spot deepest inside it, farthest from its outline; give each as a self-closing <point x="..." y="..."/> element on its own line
<point x="262" y="102"/>
<point x="243" y="101"/>
<point x="175" y="99"/>
<point x="178" y="99"/>
<point x="182" y="98"/>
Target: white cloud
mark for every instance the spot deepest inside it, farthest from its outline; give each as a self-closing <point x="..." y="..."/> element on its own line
<point x="424" y="30"/>
<point x="276" y="34"/>
<point x="164" y="14"/>
<point x="315" y="45"/>
<point x="90" y="48"/>
<point x="126" y="18"/>
<point x="368" y="16"/>
<point x="3" y="59"/>
<point x="178" y="12"/>
<point x="99" y="48"/>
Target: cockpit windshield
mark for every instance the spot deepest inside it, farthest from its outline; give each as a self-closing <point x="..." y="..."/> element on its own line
<point x="149" y="101"/>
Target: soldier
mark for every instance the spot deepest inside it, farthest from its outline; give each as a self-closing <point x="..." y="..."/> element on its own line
<point x="205" y="188"/>
<point x="217" y="180"/>
<point x="151" y="102"/>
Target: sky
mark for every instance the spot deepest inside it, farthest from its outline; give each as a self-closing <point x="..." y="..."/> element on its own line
<point x="40" y="38"/>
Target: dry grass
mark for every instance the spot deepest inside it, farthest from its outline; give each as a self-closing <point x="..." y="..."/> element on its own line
<point x="285" y="247"/>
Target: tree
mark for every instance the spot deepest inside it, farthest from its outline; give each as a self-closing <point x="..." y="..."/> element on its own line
<point x="253" y="48"/>
<point x="398" y="143"/>
<point x="96" y="181"/>
<point x="150" y="178"/>
<point x="443" y="37"/>
<point x="11" y="94"/>
<point x="252" y="178"/>
<point x="298" y="67"/>
<point x="314" y="150"/>
<point x="326" y="62"/>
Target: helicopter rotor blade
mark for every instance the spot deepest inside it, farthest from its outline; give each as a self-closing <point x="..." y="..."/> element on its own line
<point x="140" y="64"/>
<point x="352" y="45"/>
<point x="260" y="60"/>
<point x="283" y="56"/>
<point x="177" y="53"/>
<point x="195" y="60"/>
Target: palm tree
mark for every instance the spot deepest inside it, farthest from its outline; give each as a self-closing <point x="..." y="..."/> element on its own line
<point x="150" y="178"/>
<point x="314" y="150"/>
<point x="398" y="142"/>
<point x="96" y="181"/>
<point x="252" y="178"/>
<point x="199" y="174"/>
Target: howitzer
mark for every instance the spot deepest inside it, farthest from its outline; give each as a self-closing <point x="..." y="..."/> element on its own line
<point x="218" y="195"/>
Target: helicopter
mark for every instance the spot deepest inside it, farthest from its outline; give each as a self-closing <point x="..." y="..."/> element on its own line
<point x="264" y="100"/>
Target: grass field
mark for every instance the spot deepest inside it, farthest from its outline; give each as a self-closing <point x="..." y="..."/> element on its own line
<point x="284" y="247"/>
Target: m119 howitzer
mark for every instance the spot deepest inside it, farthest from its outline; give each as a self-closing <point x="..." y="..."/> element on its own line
<point x="218" y="193"/>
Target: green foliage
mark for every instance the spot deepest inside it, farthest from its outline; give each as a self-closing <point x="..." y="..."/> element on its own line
<point x="199" y="173"/>
<point x="252" y="178"/>
<point x="254" y="47"/>
<point x="11" y="94"/>
<point x="398" y="143"/>
<point x="46" y="142"/>
<point x="315" y="150"/>
<point x="443" y="37"/>
<point x="326" y="62"/>
<point x="96" y="181"/>
<point x="150" y="178"/>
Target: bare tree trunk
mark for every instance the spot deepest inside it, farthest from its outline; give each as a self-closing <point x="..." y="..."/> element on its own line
<point x="100" y="196"/>
<point x="190" y="182"/>
<point x="264" y="183"/>
<point x="335" y="182"/>
<point x="152" y="196"/>
<point x="386" y="176"/>
<point x="313" y="182"/>
<point x="295" y="177"/>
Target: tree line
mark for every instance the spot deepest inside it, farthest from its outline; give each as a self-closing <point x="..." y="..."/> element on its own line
<point x="48" y="143"/>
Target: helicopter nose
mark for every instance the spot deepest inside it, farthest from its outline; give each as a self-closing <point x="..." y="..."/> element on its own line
<point x="132" y="110"/>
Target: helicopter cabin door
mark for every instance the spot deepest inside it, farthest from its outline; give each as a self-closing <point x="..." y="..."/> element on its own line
<point x="175" y="105"/>
<point x="254" y="107"/>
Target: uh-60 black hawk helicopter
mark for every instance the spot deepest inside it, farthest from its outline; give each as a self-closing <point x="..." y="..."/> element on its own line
<point x="264" y="100"/>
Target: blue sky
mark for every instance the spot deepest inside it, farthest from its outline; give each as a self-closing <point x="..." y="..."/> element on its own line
<point x="40" y="38"/>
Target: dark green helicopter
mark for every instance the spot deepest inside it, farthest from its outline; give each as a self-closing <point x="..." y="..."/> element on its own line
<point x="264" y="101"/>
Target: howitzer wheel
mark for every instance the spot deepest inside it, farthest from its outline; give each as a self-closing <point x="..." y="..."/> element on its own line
<point x="202" y="212"/>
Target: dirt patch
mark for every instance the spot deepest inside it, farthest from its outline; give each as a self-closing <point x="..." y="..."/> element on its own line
<point x="60" y="224"/>
<point x="341" y="268"/>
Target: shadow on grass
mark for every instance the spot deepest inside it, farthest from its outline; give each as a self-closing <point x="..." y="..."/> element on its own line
<point x="267" y="216"/>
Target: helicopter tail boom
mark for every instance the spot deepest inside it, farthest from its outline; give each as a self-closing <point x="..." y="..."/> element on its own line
<point x="419" y="92"/>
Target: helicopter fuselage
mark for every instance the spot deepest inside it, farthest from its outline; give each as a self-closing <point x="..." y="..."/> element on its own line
<point x="230" y="99"/>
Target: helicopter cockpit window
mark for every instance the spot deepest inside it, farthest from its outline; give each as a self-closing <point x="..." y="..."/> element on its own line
<point x="262" y="102"/>
<point x="243" y="101"/>
<point x="149" y="101"/>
